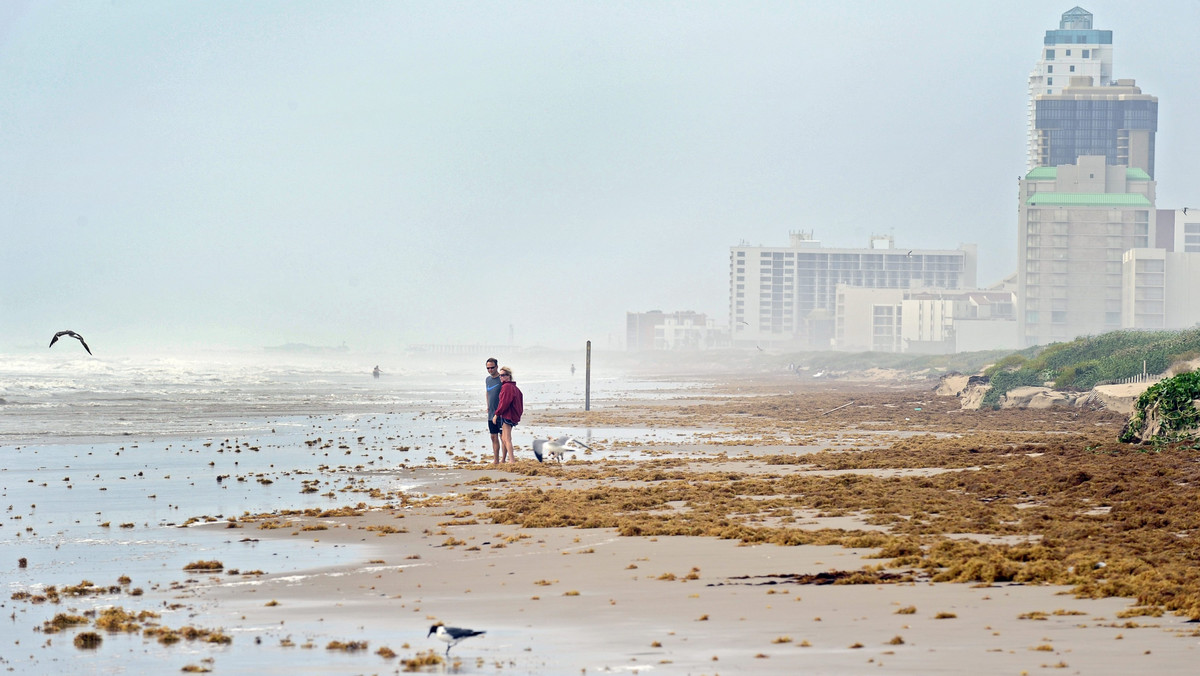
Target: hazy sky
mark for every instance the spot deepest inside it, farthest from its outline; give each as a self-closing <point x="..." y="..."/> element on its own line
<point x="379" y="173"/>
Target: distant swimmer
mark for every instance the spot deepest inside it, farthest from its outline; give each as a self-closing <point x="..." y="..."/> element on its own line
<point x="71" y="334"/>
<point x="376" y="372"/>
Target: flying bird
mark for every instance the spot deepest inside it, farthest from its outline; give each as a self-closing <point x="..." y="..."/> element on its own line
<point x="451" y="635"/>
<point x="72" y="334"/>
<point x="555" y="448"/>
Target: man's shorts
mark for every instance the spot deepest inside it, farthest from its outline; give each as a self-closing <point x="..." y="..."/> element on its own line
<point x="494" y="428"/>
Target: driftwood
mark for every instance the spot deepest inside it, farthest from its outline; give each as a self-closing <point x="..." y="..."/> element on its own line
<point x="838" y="408"/>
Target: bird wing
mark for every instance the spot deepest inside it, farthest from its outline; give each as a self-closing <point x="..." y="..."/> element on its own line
<point x="55" y="338"/>
<point x="81" y="340"/>
<point x="577" y="442"/>
<point x="458" y="633"/>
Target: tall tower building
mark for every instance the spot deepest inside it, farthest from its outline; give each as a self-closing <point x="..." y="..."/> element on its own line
<point x="1116" y="121"/>
<point x="1075" y="49"/>
<point x="1075" y="223"/>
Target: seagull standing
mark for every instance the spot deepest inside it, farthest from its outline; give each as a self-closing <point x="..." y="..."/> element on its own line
<point x="452" y="635"/>
<point x="555" y="448"/>
<point x="72" y="334"/>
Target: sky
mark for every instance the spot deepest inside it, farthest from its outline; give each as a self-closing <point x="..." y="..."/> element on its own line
<point x="382" y="174"/>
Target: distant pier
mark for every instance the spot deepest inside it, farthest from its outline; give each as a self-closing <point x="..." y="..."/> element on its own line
<point x="432" y="348"/>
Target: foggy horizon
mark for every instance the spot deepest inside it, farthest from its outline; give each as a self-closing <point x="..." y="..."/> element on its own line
<point x="375" y="175"/>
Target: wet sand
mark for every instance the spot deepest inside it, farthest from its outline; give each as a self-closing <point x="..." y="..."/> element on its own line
<point x="592" y="600"/>
<point x="559" y="600"/>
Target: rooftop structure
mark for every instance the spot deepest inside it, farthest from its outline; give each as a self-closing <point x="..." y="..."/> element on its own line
<point x="1074" y="49"/>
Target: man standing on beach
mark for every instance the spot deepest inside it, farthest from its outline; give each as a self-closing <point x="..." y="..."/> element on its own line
<point x="492" y="383"/>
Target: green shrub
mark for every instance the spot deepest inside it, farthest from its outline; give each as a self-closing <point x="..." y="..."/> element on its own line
<point x="1178" y="415"/>
<point x="1084" y="362"/>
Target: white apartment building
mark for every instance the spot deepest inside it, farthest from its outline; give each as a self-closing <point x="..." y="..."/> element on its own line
<point x="786" y="296"/>
<point x="924" y="321"/>
<point x="683" y="330"/>
<point x="1157" y="289"/>
<point x="1184" y="230"/>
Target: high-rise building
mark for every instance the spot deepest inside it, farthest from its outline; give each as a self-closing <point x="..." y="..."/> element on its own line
<point x="1075" y="49"/>
<point x="1075" y="223"/>
<point x="1116" y="121"/>
<point x="786" y="296"/>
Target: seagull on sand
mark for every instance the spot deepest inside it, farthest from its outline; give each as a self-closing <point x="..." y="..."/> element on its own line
<point x="555" y="448"/>
<point x="72" y="334"/>
<point x="452" y="635"/>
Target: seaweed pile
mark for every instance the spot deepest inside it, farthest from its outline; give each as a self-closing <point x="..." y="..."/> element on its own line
<point x="1015" y="496"/>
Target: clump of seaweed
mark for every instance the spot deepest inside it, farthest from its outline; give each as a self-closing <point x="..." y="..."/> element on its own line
<point x="88" y="640"/>
<point x="428" y="658"/>
<point x="62" y="621"/>
<point x="204" y="565"/>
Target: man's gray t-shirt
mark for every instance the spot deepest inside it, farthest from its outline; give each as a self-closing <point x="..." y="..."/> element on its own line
<point x="492" y="383"/>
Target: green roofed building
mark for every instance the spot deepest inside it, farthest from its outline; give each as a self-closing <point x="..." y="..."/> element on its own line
<point x="1076" y="221"/>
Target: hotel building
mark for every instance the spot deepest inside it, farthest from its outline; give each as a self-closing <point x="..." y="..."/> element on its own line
<point x="787" y="296"/>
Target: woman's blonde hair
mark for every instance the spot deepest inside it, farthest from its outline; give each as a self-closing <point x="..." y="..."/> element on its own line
<point x="505" y="369"/>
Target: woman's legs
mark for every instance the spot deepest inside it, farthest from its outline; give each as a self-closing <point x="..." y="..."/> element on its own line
<point x="506" y="441"/>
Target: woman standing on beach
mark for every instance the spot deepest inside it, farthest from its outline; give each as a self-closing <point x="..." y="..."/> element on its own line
<point x="508" y="412"/>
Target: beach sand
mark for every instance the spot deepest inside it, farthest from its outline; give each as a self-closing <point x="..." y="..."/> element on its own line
<point x="725" y="600"/>
<point x="562" y="600"/>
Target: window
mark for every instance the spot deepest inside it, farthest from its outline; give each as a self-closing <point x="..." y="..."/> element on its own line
<point x="1072" y="69"/>
<point x="1049" y="80"/>
<point x="1049" y="69"/>
<point x="1087" y="54"/>
<point x="1049" y="54"/>
<point x="1068" y="52"/>
<point x="1058" y="317"/>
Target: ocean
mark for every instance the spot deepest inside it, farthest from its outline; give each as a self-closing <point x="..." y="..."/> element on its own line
<point x="105" y="461"/>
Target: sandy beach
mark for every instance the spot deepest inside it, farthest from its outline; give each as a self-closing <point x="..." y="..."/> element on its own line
<point x="561" y="600"/>
<point x="793" y="527"/>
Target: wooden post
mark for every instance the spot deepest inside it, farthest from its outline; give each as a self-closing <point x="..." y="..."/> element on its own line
<point x="587" y="379"/>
